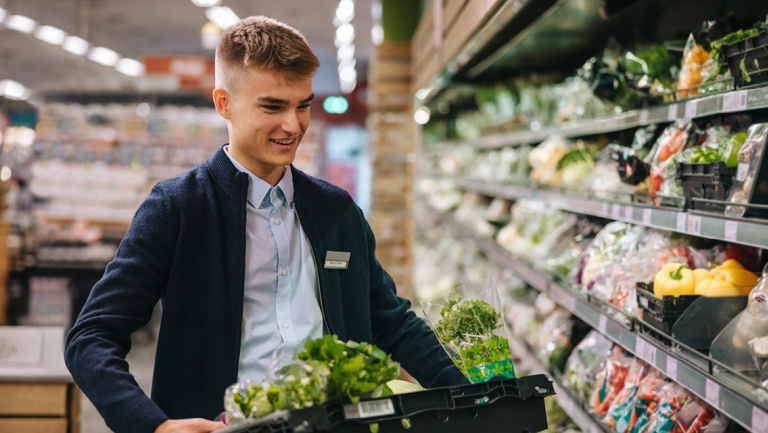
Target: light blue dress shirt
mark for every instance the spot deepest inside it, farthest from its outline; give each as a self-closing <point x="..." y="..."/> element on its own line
<point x="280" y="308"/>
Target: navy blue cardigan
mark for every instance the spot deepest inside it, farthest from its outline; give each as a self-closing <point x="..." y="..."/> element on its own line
<point x="186" y="246"/>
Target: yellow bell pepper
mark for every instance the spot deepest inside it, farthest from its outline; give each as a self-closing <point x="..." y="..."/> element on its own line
<point x="702" y="286"/>
<point x="739" y="277"/>
<point x="674" y="279"/>
<point x="728" y="264"/>
<point x="726" y="288"/>
<point x="701" y="275"/>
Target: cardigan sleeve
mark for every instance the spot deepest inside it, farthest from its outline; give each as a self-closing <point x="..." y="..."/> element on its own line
<point x="400" y="332"/>
<point x="119" y="304"/>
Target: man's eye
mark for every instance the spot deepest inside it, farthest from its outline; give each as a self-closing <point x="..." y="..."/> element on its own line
<point x="271" y="107"/>
<point x="304" y="107"/>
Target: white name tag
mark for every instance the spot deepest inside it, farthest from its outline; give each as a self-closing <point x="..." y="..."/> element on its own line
<point x="336" y="260"/>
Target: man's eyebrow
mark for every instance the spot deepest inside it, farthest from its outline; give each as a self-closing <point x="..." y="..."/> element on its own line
<point x="278" y="101"/>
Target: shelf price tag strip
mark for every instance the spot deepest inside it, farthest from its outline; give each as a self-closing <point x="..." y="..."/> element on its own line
<point x="731" y="231"/>
<point x="759" y="420"/>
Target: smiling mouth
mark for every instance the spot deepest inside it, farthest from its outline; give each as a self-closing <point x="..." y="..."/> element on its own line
<point x="283" y="142"/>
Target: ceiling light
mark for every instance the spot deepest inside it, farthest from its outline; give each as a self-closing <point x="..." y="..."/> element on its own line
<point x="345" y="11"/>
<point x="50" y="34"/>
<point x="206" y="3"/>
<point x="130" y="67"/>
<point x="348" y="87"/>
<point x="13" y="90"/>
<point x="76" y="45"/>
<point x="346" y="52"/>
<point x="210" y="35"/>
<point x="421" y="115"/>
<point x="104" y="56"/>
<point x="222" y="16"/>
<point x="377" y="34"/>
<point x="21" y="23"/>
<point x="347" y="64"/>
<point x="345" y="33"/>
<point x="3" y="14"/>
<point x="348" y="75"/>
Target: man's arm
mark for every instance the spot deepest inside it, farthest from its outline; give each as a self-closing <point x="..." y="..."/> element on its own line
<point x="118" y="305"/>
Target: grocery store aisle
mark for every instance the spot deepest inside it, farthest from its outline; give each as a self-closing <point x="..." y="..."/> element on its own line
<point x="141" y="359"/>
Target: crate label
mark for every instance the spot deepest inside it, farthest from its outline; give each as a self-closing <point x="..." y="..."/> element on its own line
<point x="604" y="209"/>
<point x="735" y="101"/>
<point x="713" y="393"/>
<point x="731" y="231"/>
<point x="759" y="420"/>
<point x="602" y="323"/>
<point x="628" y="213"/>
<point x="694" y="225"/>
<point x="646" y="217"/>
<point x="672" y="367"/>
<point x="643" y="302"/>
<point x="368" y="409"/>
<point x="643" y="117"/>
<point x="690" y="109"/>
<point x="616" y="211"/>
<point x="681" y="226"/>
<point x="742" y="171"/>
<point x="672" y="112"/>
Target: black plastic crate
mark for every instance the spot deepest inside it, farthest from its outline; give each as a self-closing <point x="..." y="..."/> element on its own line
<point x="661" y="313"/>
<point x="510" y="405"/>
<point x="750" y="56"/>
<point x="711" y="181"/>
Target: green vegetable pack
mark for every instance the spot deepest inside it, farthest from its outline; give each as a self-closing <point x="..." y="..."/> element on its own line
<point x="472" y="332"/>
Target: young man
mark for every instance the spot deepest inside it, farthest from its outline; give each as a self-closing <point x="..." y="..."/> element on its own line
<point x="241" y="252"/>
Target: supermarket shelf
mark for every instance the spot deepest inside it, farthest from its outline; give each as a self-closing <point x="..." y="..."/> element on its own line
<point x="727" y="102"/>
<point x="746" y="404"/>
<point x="745" y="231"/>
<point x="572" y="405"/>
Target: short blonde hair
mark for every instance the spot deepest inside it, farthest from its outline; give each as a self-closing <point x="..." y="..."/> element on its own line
<point x="262" y="42"/>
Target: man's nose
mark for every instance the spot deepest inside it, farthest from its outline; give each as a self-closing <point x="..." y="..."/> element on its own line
<point x="291" y="122"/>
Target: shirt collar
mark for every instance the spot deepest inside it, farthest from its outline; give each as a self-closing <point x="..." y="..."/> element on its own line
<point x="259" y="190"/>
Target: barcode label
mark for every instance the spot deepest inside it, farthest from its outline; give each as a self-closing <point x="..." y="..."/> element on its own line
<point x="643" y="302"/>
<point x="741" y="172"/>
<point x="646" y="217"/>
<point x="713" y="393"/>
<point x="759" y="420"/>
<point x="694" y="225"/>
<point x="690" y="109"/>
<point x="672" y="113"/>
<point x="643" y="117"/>
<point x="602" y="323"/>
<point x="735" y="101"/>
<point x="681" y="220"/>
<point x="731" y="231"/>
<point x="368" y="409"/>
<point x="672" y="367"/>
<point x="628" y="213"/>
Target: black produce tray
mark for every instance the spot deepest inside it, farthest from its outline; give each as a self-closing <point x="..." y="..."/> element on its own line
<point x="510" y="405"/>
<point x="666" y="309"/>
<point x="752" y="55"/>
<point x="710" y="181"/>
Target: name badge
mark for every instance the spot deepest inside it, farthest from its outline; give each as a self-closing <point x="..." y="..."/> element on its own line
<point x="336" y="260"/>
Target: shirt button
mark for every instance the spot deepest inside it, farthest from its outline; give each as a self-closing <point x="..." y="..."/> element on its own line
<point x="284" y="272"/>
<point x="274" y="193"/>
<point x="277" y="221"/>
<point x="285" y="324"/>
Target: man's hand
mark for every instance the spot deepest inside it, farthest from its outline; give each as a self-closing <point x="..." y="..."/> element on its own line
<point x="192" y="425"/>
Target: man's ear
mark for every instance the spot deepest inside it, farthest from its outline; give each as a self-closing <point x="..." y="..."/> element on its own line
<point x="221" y="100"/>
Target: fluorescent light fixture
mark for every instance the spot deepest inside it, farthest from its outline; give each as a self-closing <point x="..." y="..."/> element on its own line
<point x="347" y="87"/>
<point x="209" y="35"/>
<point x="104" y="56"/>
<point x="421" y="115"/>
<point x="345" y="33"/>
<point x="222" y="16"/>
<point x="75" y="45"/>
<point x="20" y="23"/>
<point x="377" y="34"/>
<point x="50" y="34"/>
<point x="13" y="90"/>
<point x="3" y="14"/>
<point x="344" y="64"/>
<point x="206" y="3"/>
<point x="346" y="52"/>
<point x="130" y="67"/>
<point x="345" y="11"/>
<point x="347" y="75"/>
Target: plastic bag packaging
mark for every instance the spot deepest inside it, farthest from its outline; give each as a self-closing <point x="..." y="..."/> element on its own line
<point x="610" y="380"/>
<point x="645" y="403"/>
<point x="675" y="138"/>
<point x="748" y="167"/>
<point x="556" y="337"/>
<point x="620" y="412"/>
<point x="469" y="324"/>
<point x="695" y="416"/>
<point x="697" y="67"/>
<point x="584" y="362"/>
<point x="671" y="399"/>
<point x="544" y="159"/>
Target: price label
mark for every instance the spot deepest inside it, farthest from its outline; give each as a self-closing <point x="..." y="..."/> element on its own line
<point x="628" y="213"/>
<point x="646" y="217"/>
<point x="643" y="117"/>
<point x="713" y="393"/>
<point x="759" y="420"/>
<point x="602" y="323"/>
<point x="731" y="231"/>
<point x="681" y="222"/>
<point x="594" y="429"/>
<point x="616" y="211"/>
<point x="605" y="209"/>
<point x="690" y="109"/>
<point x="645" y="350"/>
<point x="672" y="112"/>
<point x="672" y="367"/>
<point x="694" y="225"/>
<point x="735" y="101"/>
<point x="742" y="171"/>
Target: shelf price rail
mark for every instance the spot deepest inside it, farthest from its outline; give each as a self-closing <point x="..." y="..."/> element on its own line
<point x="748" y="405"/>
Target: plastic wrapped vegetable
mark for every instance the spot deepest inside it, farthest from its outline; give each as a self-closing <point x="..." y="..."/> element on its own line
<point x="647" y="401"/>
<point x="610" y="380"/>
<point x="584" y="362"/>
<point x="471" y="330"/>
<point x="748" y="165"/>
<point x="696" y="68"/>
<point x="672" y="397"/>
<point x="672" y="141"/>
<point x="620" y="413"/>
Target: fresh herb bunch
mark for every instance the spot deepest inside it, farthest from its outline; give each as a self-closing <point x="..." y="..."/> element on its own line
<point x="495" y="349"/>
<point x="304" y="384"/>
<point x="356" y="369"/>
<point x="259" y="400"/>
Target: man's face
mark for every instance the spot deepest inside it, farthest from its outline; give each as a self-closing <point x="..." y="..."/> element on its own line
<point x="267" y="116"/>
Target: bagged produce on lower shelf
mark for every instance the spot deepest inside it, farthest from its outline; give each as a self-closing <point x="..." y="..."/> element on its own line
<point x="610" y="380"/>
<point x="584" y="362"/>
